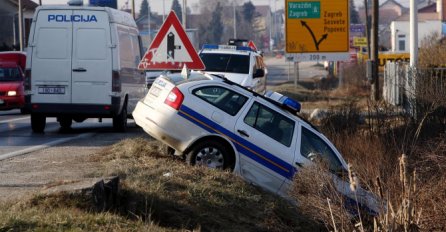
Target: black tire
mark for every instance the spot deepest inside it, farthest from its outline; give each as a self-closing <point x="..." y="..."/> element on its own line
<point x="211" y="154"/>
<point x="38" y="122"/>
<point x="65" y="122"/>
<point x="120" y="120"/>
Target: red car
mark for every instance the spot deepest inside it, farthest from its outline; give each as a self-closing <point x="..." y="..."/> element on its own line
<point x="12" y="94"/>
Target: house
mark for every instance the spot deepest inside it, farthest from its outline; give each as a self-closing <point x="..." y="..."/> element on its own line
<point x="388" y="12"/>
<point x="430" y="20"/>
<point x="9" y="27"/>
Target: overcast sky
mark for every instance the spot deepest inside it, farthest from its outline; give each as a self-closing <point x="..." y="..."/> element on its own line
<point x="157" y="5"/>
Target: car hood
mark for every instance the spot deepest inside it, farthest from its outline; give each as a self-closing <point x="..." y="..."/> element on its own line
<point x="10" y="85"/>
<point x="239" y="78"/>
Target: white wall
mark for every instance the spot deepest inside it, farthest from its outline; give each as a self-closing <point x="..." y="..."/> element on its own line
<point x="425" y="28"/>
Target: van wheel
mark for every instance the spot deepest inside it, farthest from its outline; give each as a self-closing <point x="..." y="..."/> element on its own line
<point x="120" y="120"/>
<point x="211" y="154"/>
<point x="65" y="122"/>
<point x="38" y="122"/>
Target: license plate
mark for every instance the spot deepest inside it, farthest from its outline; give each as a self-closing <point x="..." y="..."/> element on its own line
<point x="155" y="91"/>
<point x="52" y="90"/>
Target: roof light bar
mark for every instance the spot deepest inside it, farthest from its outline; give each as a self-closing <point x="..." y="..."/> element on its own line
<point x="226" y="47"/>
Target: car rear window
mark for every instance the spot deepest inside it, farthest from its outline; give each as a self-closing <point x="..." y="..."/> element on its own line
<point x="222" y="98"/>
<point x="231" y="63"/>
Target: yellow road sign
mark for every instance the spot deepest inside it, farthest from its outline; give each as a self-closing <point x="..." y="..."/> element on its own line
<point x="314" y="26"/>
<point x="359" y="41"/>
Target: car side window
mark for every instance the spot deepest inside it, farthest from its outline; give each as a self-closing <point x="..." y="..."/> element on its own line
<point x="313" y="147"/>
<point x="227" y="100"/>
<point x="270" y="123"/>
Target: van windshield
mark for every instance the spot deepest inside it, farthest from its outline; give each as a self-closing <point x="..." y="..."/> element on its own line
<point x="10" y="74"/>
<point x="231" y="63"/>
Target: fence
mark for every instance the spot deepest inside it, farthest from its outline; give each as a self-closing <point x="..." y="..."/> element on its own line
<point x="417" y="91"/>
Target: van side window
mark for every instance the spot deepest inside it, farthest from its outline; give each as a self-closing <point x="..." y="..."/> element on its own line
<point x="222" y="98"/>
<point x="313" y="147"/>
<point x="271" y="123"/>
<point x="135" y="47"/>
<point x="52" y="43"/>
<point x="125" y="48"/>
<point x="88" y="38"/>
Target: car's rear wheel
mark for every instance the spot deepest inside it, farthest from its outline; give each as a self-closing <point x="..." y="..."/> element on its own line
<point x="38" y="122"/>
<point x="211" y="154"/>
<point x="120" y="120"/>
<point x="65" y="122"/>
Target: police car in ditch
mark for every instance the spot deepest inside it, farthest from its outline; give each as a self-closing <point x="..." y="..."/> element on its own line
<point x="239" y="64"/>
<point x="216" y="123"/>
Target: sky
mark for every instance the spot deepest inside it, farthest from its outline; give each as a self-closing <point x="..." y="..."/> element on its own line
<point x="157" y="5"/>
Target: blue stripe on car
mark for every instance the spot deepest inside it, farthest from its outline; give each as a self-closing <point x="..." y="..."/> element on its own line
<point x="243" y="146"/>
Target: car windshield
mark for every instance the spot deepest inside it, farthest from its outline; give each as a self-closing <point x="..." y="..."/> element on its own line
<point x="231" y="63"/>
<point x="10" y="74"/>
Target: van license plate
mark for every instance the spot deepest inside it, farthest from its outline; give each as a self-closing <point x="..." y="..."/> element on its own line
<point x="51" y="90"/>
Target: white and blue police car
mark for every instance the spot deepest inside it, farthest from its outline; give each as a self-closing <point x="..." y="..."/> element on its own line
<point x="217" y="123"/>
<point x="239" y="64"/>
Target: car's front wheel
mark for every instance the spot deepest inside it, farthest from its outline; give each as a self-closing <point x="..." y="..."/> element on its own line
<point x="211" y="154"/>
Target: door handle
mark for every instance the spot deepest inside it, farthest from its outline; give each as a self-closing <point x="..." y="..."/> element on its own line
<point x="79" y="70"/>
<point x="242" y="132"/>
<point x="299" y="164"/>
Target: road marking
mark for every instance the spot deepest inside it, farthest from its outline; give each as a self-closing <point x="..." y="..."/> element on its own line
<point x="43" y="146"/>
<point x="13" y="120"/>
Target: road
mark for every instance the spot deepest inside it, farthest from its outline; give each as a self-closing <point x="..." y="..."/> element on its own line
<point x="30" y="161"/>
<point x="281" y="71"/>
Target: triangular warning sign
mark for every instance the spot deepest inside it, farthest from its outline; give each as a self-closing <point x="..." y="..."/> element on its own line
<point x="252" y="45"/>
<point x="171" y="49"/>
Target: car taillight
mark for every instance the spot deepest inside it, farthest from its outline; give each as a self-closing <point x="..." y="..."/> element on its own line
<point x="175" y="98"/>
<point x="27" y="82"/>
<point x="116" y="82"/>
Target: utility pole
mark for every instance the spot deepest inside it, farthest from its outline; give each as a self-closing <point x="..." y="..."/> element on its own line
<point x="20" y="25"/>
<point x="133" y="9"/>
<point x="234" y="21"/>
<point x="164" y="10"/>
<point x="374" y="55"/>
<point x="149" y="19"/>
<point x="367" y="26"/>
<point x="271" y="27"/>
<point x="184" y="14"/>
<point x="413" y="34"/>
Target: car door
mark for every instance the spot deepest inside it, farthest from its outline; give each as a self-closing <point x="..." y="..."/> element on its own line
<point x="266" y="146"/>
<point x="51" y="48"/>
<point x="313" y="146"/>
<point x="92" y="59"/>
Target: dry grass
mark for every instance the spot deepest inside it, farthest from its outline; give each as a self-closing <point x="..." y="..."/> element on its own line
<point x="159" y="193"/>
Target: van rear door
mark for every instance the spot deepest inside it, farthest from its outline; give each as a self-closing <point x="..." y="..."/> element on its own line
<point x="92" y="58"/>
<point x="51" y="57"/>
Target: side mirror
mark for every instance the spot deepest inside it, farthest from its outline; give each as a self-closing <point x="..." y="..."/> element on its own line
<point x="259" y="73"/>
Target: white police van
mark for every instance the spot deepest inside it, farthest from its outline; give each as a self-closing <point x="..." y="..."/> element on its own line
<point x="82" y="63"/>
<point x="239" y="64"/>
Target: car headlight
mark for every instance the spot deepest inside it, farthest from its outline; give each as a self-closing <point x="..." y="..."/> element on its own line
<point x="12" y="93"/>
